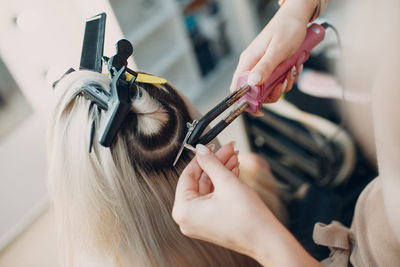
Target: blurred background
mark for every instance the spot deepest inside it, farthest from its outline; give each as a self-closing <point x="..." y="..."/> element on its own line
<point x="195" y="44"/>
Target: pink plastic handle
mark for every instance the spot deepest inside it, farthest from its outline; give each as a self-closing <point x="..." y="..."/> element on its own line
<point x="256" y="95"/>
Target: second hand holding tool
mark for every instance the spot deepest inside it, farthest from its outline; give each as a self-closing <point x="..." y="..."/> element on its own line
<point x="248" y="98"/>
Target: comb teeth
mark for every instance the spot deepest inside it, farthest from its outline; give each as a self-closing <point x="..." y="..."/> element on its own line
<point x="93" y="43"/>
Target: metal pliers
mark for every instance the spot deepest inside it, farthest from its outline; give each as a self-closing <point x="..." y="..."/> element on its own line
<point x="196" y="129"/>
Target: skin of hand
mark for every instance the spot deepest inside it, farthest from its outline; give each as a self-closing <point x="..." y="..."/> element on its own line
<point x="279" y="40"/>
<point x="228" y="157"/>
<point x="230" y="214"/>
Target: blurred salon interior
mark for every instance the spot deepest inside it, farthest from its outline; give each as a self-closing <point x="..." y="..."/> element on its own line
<point x="195" y="44"/>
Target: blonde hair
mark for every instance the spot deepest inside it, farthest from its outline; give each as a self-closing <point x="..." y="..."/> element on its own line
<point x="113" y="205"/>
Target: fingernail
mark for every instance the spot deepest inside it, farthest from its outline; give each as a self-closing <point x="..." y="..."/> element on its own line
<point x="237" y="152"/>
<point x="301" y="68"/>
<point x="202" y="150"/>
<point x="211" y="147"/>
<point x="254" y="78"/>
<point x="293" y="74"/>
<point x="284" y="85"/>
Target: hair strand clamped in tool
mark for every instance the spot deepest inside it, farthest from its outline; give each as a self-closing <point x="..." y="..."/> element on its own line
<point x="195" y="135"/>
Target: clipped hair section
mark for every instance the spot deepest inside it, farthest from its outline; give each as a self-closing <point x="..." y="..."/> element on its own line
<point x="151" y="115"/>
<point x="152" y="131"/>
<point x="157" y="125"/>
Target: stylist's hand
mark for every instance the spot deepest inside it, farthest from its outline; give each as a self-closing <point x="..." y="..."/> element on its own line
<point x="229" y="214"/>
<point x="279" y="40"/>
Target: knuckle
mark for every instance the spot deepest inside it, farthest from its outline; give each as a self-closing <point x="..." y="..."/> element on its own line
<point x="185" y="231"/>
<point x="235" y="159"/>
<point x="267" y="66"/>
<point x="244" y="55"/>
<point x="277" y="50"/>
<point x="179" y="216"/>
<point x="263" y="66"/>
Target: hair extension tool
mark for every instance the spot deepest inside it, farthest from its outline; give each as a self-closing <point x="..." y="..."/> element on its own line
<point x="249" y="98"/>
<point x="196" y="128"/>
<point x="256" y="94"/>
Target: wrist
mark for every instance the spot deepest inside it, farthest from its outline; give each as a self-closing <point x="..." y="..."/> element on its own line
<point x="274" y="245"/>
<point x="303" y="10"/>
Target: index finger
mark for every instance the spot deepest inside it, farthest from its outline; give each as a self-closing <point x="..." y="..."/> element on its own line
<point x="246" y="62"/>
<point x="188" y="186"/>
<point x="251" y="55"/>
<point x="274" y="54"/>
<point x="210" y="164"/>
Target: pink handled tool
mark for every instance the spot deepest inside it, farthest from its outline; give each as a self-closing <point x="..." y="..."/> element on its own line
<point x="250" y="98"/>
<point x="256" y="94"/>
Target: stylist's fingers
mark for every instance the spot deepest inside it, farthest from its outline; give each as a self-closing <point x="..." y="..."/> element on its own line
<point x="188" y="186"/>
<point x="276" y="93"/>
<point x="236" y="171"/>
<point x="248" y="59"/>
<point x="286" y="86"/>
<point x="233" y="162"/>
<point x="246" y="62"/>
<point x="205" y="185"/>
<point x="225" y="155"/>
<point x="292" y="76"/>
<point x="274" y="54"/>
<point x="225" y="152"/>
<point x="212" y="166"/>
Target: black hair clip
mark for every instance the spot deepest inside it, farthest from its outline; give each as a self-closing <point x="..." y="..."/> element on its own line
<point x="116" y="103"/>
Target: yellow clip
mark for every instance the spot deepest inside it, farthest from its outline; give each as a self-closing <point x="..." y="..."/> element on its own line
<point x="146" y="78"/>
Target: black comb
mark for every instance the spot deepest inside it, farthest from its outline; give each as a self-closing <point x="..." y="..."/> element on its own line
<point x="93" y="43"/>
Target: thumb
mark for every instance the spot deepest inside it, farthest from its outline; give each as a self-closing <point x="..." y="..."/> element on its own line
<point x="210" y="164"/>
